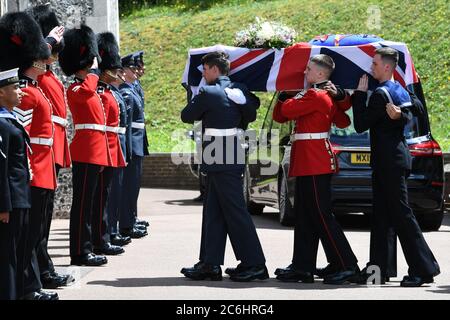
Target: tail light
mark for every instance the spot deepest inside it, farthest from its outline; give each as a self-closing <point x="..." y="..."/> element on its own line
<point x="426" y="149"/>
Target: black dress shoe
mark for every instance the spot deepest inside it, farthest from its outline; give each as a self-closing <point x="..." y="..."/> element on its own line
<point x="142" y="222"/>
<point x="109" y="250"/>
<point x="415" y="281"/>
<point x="289" y="274"/>
<point x="119" y="240"/>
<point x="54" y="280"/>
<point x="133" y="233"/>
<point x="279" y="271"/>
<point x="232" y="271"/>
<point x="205" y="272"/>
<point x="351" y="275"/>
<point x="324" y="272"/>
<point x="88" y="260"/>
<point x="191" y="269"/>
<point x="41" y="296"/>
<point x="140" y="227"/>
<point x="245" y="274"/>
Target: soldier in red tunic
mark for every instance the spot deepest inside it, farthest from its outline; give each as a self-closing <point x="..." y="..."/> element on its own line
<point x="110" y="65"/>
<point x="24" y="46"/>
<point x="54" y="90"/>
<point x="89" y="148"/>
<point x="312" y="163"/>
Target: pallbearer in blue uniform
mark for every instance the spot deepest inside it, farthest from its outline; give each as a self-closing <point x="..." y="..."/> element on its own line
<point x="387" y="113"/>
<point x="137" y="150"/>
<point x="225" y="109"/>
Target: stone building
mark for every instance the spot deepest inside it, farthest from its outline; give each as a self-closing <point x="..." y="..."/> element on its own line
<point x="100" y="15"/>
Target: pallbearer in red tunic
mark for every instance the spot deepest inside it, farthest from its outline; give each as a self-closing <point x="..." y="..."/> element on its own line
<point x="54" y="90"/>
<point x="109" y="67"/>
<point x="23" y="46"/>
<point x="313" y="163"/>
<point x="89" y="148"/>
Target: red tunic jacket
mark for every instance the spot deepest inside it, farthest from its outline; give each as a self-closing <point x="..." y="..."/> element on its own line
<point x="56" y="93"/>
<point x="315" y="112"/>
<point x="35" y="114"/>
<point x="112" y="122"/>
<point x="88" y="145"/>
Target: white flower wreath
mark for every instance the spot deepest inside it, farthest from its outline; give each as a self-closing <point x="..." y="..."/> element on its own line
<point x="265" y="34"/>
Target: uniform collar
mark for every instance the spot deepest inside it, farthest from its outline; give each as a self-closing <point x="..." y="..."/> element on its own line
<point x="24" y="81"/>
<point x="104" y="85"/>
<point x="319" y="85"/>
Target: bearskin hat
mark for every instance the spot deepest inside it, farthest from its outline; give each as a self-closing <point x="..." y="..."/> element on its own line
<point x="21" y="41"/>
<point x="79" y="51"/>
<point x="108" y="50"/>
<point x="47" y="20"/>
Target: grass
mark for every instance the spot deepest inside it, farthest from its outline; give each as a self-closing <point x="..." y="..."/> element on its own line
<point x="167" y="33"/>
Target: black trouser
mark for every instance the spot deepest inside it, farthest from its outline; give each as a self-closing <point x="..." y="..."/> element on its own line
<point x="46" y="266"/>
<point x="100" y="220"/>
<point x="132" y="184"/>
<point x="226" y="213"/>
<point x="315" y="221"/>
<point x="393" y="214"/>
<point x="114" y="200"/>
<point x="38" y="225"/>
<point x="12" y="251"/>
<point x="85" y="179"/>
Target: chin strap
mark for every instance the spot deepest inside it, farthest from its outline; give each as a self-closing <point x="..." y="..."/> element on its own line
<point x="40" y="66"/>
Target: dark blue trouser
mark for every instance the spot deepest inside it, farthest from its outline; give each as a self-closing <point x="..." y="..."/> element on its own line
<point x="12" y="250"/>
<point x="392" y="214"/>
<point x="131" y="184"/>
<point x="115" y="199"/>
<point x="226" y="214"/>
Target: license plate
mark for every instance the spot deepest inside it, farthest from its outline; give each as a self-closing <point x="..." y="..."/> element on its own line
<point x="360" y="158"/>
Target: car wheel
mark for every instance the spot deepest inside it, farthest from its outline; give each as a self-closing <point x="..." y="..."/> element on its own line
<point x="286" y="215"/>
<point x="431" y="221"/>
<point x="253" y="208"/>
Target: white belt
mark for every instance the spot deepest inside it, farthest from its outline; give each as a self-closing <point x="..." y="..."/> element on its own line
<point x="138" y="125"/>
<point x="221" y="132"/>
<point x="310" y="136"/>
<point x="60" y="121"/>
<point x="90" y="126"/>
<point x="42" y="141"/>
<point x="118" y="130"/>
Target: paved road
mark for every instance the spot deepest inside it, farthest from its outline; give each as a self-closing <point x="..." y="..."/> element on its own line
<point x="149" y="269"/>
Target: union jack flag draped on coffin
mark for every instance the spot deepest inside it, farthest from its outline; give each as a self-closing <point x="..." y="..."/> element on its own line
<point x="283" y="69"/>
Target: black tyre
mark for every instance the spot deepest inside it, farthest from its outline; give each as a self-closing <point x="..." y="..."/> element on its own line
<point x="286" y="215"/>
<point x="253" y="208"/>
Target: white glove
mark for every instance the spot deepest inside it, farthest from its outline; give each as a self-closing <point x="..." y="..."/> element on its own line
<point x="235" y="95"/>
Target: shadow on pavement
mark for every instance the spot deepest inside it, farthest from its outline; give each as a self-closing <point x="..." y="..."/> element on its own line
<point x="228" y="284"/>
<point x="441" y="289"/>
